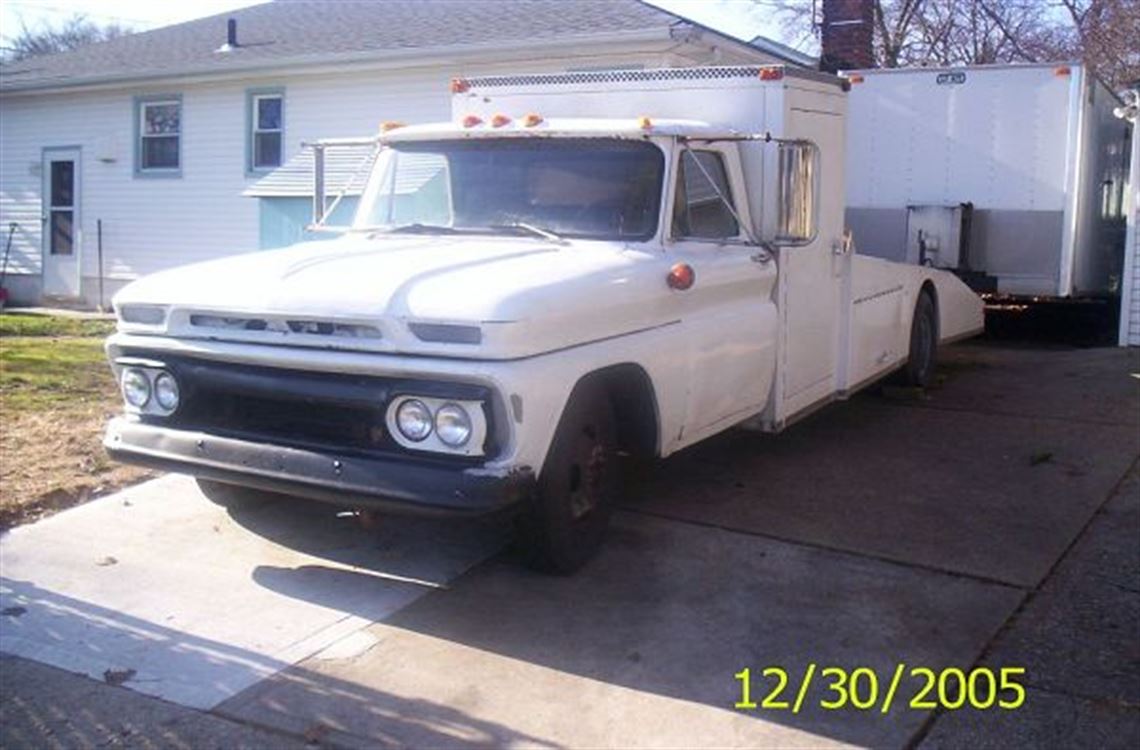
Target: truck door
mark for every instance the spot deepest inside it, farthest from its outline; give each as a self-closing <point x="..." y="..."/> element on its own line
<point x="729" y="314"/>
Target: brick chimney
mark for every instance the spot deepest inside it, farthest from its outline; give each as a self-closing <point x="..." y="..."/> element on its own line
<point x="847" y="32"/>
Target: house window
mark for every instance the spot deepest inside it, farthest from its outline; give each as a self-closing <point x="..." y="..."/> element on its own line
<point x="160" y="135"/>
<point x="698" y="210"/>
<point x="267" y="123"/>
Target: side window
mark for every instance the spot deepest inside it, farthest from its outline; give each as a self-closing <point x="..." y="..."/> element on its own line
<point x="698" y="211"/>
<point x="160" y="135"/>
<point x="267" y="126"/>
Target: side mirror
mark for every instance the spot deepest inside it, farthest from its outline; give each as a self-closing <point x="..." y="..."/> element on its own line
<point x="797" y="193"/>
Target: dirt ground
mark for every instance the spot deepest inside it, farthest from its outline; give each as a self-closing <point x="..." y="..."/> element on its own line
<point x="56" y="393"/>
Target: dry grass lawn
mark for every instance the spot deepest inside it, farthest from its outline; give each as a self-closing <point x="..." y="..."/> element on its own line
<point x="56" y="394"/>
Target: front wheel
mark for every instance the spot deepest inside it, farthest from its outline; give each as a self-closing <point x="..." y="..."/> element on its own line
<point x="565" y="523"/>
<point x="919" y="369"/>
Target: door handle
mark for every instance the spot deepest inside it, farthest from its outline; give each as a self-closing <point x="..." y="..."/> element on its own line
<point x="763" y="257"/>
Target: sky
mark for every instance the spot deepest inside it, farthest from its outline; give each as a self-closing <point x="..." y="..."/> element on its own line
<point x="743" y="19"/>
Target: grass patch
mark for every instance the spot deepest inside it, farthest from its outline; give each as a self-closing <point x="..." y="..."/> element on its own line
<point x="40" y="372"/>
<point x="56" y="394"/>
<point x="45" y="325"/>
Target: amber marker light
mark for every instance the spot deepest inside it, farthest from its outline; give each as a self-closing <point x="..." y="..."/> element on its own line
<point x="644" y="123"/>
<point x="471" y="121"/>
<point x="856" y="78"/>
<point x="459" y="86"/>
<point x="390" y="125"/>
<point x="681" y="276"/>
<point x="1062" y="70"/>
<point x="532" y="119"/>
<point x="771" y="73"/>
<point x="499" y="121"/>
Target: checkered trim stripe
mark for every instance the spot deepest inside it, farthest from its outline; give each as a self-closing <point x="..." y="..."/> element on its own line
<point x="618" y="76"/>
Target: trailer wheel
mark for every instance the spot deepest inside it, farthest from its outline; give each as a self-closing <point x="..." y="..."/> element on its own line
<point x="565" y="523"/>
<point x="919" y="369"/>
<point x="233" y="496"/>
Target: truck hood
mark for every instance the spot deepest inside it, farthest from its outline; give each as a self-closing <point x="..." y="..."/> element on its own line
<point x="524" y="296"/>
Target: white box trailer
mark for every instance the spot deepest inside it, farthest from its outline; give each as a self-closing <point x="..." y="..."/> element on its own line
<point x="1012" y="174"/>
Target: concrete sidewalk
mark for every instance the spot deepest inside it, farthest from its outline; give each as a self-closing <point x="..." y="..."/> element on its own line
<point x="992" y="523"/>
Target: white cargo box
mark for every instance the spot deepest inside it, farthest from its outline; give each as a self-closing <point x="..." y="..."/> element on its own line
<point x="1034" y="148"/>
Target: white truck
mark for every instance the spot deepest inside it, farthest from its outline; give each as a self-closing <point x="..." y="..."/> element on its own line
<point x="577" y="269"/>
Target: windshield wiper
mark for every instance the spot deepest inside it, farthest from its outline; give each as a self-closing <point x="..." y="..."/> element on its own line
<point x="419" y="228"/>
<point x="545" y="234"/>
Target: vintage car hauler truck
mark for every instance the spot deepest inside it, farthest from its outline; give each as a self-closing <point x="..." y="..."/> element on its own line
<point x="578" y="267"/>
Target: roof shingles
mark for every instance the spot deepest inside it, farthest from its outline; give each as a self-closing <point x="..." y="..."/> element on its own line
<point x="293" y="31"/>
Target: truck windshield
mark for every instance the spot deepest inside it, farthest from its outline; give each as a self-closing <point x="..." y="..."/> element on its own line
<point x="570" y="187"/>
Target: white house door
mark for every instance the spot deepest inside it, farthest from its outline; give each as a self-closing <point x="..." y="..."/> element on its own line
<point x="61" y="236"/>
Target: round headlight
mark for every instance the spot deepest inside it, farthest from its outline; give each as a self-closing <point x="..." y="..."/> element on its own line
<point x="166" y="391"/>
<point x="453" y="425"/>
<point x="413" y="419"/>
<point x="136" y="388"/>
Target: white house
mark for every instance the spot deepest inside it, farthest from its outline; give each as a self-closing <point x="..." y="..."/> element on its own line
<point x="154" y="137"/>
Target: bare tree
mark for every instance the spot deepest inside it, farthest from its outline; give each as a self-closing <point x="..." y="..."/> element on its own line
<point x="46" y="39"/>
<point x="979" y="32"/>
<point x="1102" y="33"/>
<point x="1108" y="32"/>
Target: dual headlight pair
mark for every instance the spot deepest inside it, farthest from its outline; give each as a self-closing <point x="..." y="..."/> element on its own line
<point x="149" y="388"/>
<point x="451" y="423"/>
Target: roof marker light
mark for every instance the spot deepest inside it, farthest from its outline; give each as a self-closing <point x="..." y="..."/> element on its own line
<point x="390" y="125"/>
<point x="771" y="73"/>
<point x="499" y="121"/>
<point x="1062" y="70"/>
<point x="644" y="123"/>
<point x="532" y="119"/>
<point x="471" y="121"/>
<point x="460" y="86"/>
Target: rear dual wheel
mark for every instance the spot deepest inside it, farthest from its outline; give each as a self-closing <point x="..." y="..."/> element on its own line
<point x="923" y="356"/>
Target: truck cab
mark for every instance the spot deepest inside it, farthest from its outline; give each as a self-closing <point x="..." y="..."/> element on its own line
<point x="528" y="298"/>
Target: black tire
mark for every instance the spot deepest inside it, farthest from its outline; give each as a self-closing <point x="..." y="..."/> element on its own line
<point x="923" y="357"/>
<point x="564" y="524"/>
<point x="234" y="496"/>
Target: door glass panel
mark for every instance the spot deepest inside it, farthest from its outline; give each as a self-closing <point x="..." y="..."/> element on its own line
<point x="63" y="183"/>
<point x="62" y="231"/>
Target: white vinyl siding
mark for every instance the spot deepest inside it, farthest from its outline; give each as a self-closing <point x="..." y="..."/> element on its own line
<point x="1130" y="304"/>
<point x="148" y="225"/>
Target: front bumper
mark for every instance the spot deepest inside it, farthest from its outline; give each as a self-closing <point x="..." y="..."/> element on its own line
<point x="406" y="486"/>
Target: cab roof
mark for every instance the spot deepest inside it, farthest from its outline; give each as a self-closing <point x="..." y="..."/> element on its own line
<point x="565" y="127"/>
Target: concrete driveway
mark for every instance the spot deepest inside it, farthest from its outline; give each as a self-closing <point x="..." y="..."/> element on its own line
<point x="992" y="522"/>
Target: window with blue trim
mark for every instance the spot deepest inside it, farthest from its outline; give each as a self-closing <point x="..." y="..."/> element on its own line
<point x="267" y="118"/>
<point x="160" y="133"/>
